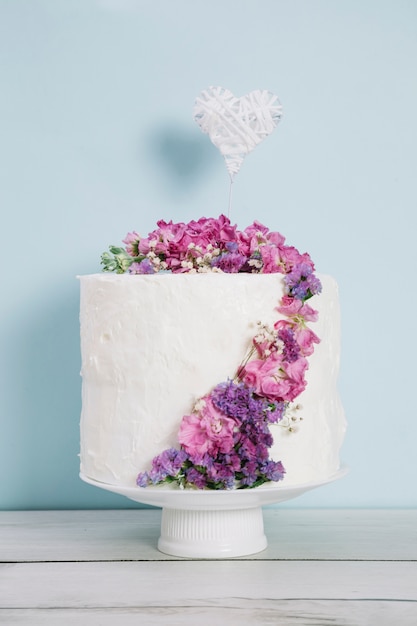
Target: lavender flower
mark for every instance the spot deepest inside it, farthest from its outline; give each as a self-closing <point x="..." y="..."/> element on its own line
<point x="221" y="475"/>
<point x="196" y="477"/>
<point x="166" y="465"/>
<point x="273" y="470"/>
<point x="237" y="400"/>
<point x="143" y="267"/>
<point x="229" y="262"/>
<point x="291" y="350"/>
<point x="301" y="283"/>
<point x="276" y="412"/>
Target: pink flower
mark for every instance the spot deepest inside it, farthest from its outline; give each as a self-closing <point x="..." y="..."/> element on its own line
<point x="164" y="241"/>
<point x="250" y="238"/>
<point x="272" y="379"/>
<point x="285" y="384"/>
<point x="205" y="231"/>
<point x="306" y="340"/>
<point x="256" y="228"/>
<point x="178" y="245"/>
<point x="209" y="431"/>
<point x="271" y="259"/>
<point x="144" y="246"/>
<point x="192" y="436"/>
<point x="167" y="231"/>
<point x="227" y="232"/>
<point x="291" y="257"/>
<point x="257" y="371"/>
<point x="251" y="374"/>
<point x="132" y="241"/>
<point x="276" y="388"/>
<point x="295" y="371"/>
<point x="275" y="239"/>
<point x="292" y="307"/>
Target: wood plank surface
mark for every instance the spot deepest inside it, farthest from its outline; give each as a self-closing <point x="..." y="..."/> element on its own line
<point x="337" y="567"/>
<point x="187" y="592"/>
<point x="248" y="613"/>
<point x="133" y="534"/>
<point x="191" y="583"/>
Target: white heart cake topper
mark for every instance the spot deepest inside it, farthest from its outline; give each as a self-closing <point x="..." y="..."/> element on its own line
<point x="236" y="125"/>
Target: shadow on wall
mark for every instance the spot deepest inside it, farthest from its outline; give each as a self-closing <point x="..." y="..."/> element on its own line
<point x="43" y="397"/>
<point x="182" y="156"/>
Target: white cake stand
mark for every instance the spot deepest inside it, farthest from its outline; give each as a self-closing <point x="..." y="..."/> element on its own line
<point x="212" y="524"/>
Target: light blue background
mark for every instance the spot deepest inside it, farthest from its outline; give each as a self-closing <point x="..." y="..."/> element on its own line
<point x="97" y="138"/>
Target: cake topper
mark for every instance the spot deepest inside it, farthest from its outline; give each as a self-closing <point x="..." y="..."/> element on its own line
<point x="236" y="125"/>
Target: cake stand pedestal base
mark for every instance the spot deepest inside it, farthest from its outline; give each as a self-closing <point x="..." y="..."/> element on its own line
<point x="213" y="524"/>
<point x="212" y="534"/>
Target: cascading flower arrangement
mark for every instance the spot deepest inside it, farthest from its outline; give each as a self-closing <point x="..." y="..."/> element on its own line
<point x="224" y="441"/>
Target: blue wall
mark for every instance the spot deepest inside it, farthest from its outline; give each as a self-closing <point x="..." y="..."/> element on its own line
<point x="97" y="138"/>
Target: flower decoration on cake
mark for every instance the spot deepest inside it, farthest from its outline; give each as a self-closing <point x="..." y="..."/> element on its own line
<point x="224" y="441"/>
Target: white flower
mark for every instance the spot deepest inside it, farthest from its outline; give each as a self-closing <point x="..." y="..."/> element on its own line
<point x="199" y="405"/>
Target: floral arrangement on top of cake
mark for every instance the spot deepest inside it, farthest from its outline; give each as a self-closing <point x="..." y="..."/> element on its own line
<point x="224" y="441"/>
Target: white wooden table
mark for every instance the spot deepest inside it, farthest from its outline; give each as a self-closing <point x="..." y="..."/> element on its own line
<point x="336" y="567"/>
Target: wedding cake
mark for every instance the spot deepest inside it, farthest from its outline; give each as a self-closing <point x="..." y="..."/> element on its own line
<point x="209" y="360"/>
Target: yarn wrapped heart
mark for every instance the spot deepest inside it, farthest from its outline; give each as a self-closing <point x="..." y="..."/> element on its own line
<point x="236" y="125"/>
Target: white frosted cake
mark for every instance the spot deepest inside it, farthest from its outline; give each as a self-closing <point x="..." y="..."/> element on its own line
<point x="155" y="343"/>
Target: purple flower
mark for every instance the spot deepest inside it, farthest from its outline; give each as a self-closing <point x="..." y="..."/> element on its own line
<point x="144" y="267"/>
<point x="291" y="350"/>
<point x="276" y="412"/>
<point x="229" y="262"/>
<point x="222" y="475"/>
<point x="196" y="478"/>
<point x="273" y="470"/>
<point x="237" y="400"/>
<point x="250" y="473"/>
<point x="301" y="283"/>
<point x="143" y="479"/>
<point x="168" y="463"/>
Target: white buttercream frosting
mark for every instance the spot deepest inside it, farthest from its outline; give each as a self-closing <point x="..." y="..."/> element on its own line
<point x="152" y="345"/>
